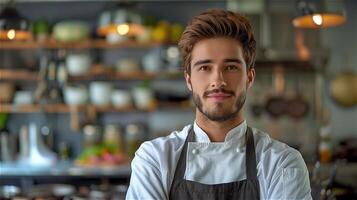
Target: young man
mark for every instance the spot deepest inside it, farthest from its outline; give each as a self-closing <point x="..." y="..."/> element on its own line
<point x="219" y="156"/>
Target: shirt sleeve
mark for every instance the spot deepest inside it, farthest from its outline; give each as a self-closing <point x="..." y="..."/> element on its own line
<point x="145" y="180"/>
<point x="291" y="179"/>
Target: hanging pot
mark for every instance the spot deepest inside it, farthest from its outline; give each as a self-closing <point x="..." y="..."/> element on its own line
<point x="297" y="107"/>
<point x="275" y="104"/>
<point x="343" y="89"/>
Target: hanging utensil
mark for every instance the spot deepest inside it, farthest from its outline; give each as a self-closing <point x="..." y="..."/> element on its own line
<point x="275" y="105"/>
<point x="297" y="107"/>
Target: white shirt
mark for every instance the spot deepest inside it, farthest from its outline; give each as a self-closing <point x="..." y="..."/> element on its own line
<point x="282" y="173"/>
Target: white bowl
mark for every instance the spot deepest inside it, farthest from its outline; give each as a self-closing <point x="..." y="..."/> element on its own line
<point x="121" y="99"/>
<point x="78" y="64"/>
<point x="151" y="62"/>
<point x="23" y="97"/>
<point x="75" y="95"/>
<point x="100" y="93"/>
<point x="143" y="97"/>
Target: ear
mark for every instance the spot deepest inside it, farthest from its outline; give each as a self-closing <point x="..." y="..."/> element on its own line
<point x="251" y="77"/>
<point x="188" y="80"/>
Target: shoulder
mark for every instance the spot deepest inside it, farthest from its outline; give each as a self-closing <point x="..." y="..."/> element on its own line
<point x="152" y="166"/>
<point x="163" y="148"/>
<point x="271" y="151"/>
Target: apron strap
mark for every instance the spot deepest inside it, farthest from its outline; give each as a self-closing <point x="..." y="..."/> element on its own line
<point x="250" y="159"/>
<point x="181" y="165"/>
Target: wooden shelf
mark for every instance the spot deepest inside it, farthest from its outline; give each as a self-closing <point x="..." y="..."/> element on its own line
<point x="63" y="108"/>
<point x="25" y="75"/>
<point x="86" y="44"/>
<point x="108" y="75"/>
<point x="17" y="74"/>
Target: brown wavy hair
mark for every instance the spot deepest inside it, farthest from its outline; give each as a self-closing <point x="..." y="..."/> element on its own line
<point x="218" y="23"/>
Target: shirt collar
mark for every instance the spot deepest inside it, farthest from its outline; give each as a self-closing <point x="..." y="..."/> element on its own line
<point x="234" y="135"/>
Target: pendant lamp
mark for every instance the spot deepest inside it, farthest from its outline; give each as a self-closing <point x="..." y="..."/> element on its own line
<point x="13" y="26"/>
<point x="319" y="14"/>
<point x="123" y="20"/>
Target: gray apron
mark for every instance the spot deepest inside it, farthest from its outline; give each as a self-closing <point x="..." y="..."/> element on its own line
<point x="246" y="189"/>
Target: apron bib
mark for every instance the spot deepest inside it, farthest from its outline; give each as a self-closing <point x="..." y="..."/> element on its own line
<point x="182" y="189"/>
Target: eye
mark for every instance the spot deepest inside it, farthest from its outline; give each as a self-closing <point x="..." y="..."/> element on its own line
<point x="203" y="68"/>
<point x="232" y="68"/>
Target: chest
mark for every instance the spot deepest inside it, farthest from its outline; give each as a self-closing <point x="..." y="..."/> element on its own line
<point x="212" y="163"/>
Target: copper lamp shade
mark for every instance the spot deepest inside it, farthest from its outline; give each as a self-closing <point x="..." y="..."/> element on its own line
<point x="315" y="14"/>
<point x="123" y="21"/>
<point x="13" y="26"/>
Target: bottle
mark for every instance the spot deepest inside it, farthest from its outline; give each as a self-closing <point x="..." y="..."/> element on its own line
<point x="53" y="93"/>
<point x="64" y="151"/>
<point x="325" y="146"/>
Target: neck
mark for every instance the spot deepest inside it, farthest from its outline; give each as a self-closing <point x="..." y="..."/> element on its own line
<point x="215" y="130"/>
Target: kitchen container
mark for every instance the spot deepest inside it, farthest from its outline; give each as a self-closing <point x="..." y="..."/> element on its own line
<point x="113" y="136"/>
<point x="78" y="64"/>
<point x="134" y="134"/>
<point x="71" y="31"/>
<point x="75" y="95"/>
<point x="143" y="98"/>
<point x="92" y="135"/>
<point x="121" y="99"/>
<point x="127" y="65"/>
<point x="23" y="97"/>
<point x="100" y="93"/>
<point x="152" y="62"/>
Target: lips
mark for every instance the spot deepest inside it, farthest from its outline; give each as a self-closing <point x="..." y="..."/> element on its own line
<point x="218" y="97"/>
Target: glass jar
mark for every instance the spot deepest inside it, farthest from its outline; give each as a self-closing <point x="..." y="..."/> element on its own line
<point x="134" y="138"/>
<point x="113" y="136"/>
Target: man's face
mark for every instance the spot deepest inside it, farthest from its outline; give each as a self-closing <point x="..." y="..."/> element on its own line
<point x="219" y="79"/>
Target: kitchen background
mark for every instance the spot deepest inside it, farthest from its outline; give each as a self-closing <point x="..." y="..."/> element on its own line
<point x="75" y="103"/>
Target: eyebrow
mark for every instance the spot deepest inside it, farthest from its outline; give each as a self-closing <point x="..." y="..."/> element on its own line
<point x="227" y="60"/>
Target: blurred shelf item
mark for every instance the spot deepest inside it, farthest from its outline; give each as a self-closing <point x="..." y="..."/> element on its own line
<point x="86" y="44"/>
<point x="289" y="65"/>
<point x="64" y="168"/>
<point x="17" y="74"/>
<point x="100" y="72"/>
<point x="63" y="108"/>
<point x="345" y="173"/>
<point x="183" y="105"/>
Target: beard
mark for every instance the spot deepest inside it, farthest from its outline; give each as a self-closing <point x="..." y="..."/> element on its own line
<point x="219" y="113"/>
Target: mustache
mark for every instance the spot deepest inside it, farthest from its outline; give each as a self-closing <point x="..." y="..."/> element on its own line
<point x="220" y="90"/>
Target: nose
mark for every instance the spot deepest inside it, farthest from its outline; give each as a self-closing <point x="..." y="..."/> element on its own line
<point x="218" y="80"/>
